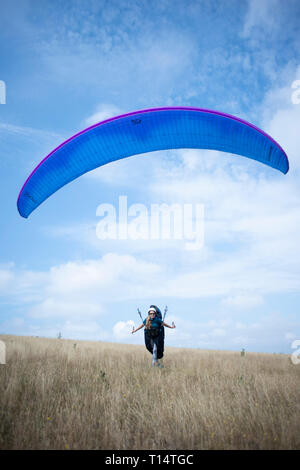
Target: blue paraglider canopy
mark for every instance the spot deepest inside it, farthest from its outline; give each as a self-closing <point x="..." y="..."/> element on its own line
<point x="146" y="131"/>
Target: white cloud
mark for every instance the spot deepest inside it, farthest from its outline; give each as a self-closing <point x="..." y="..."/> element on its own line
<point x="218" y="332"/>
<point x="243" y="301"/>
<point x="121" y="330"/>
<point x="129" y="52"/>
<point x="51" y="307"/>
<point x="80" y="312"/>
<point x="134" y="172"/>
<point x="84" y="233"/>
<point x="103" y="112"/>
<point x="6" y="277"/>
<point x="80" y="287"/>
<point x="262" y="15"/>
<point x="290" y="336"/>
<point x="284" y="123"/>
<point x="28" y="132"/>
<point x="102" y="277"/>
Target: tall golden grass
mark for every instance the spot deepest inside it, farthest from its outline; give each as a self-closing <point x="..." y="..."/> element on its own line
<point x="64" y="394"/>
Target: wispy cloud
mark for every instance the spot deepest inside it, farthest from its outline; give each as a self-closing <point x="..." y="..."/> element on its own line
<point x="102" y="112"/>
<point x="243" y="301"/>
<point x="28" y="132"/>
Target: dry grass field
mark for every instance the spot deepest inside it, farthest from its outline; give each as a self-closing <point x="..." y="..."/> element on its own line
<point x="64" y="394"/>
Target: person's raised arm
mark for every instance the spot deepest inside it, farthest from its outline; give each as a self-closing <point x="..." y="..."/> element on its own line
<point x="138" y="328"/>
<point x="168" y="326"/>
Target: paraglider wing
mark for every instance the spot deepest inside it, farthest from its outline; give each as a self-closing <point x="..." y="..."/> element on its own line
<point x="146" y="131"/>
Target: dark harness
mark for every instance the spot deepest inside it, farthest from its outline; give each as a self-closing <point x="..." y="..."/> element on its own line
<point x="153" y="332"/>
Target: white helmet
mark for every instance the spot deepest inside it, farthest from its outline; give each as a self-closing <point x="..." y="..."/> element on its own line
<point x="151" y="310"/>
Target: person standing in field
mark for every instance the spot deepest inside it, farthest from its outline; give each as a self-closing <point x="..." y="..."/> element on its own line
<point x="154" y="334"/>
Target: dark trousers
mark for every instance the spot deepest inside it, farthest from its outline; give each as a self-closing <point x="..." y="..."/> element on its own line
<point x="159" y="340"/>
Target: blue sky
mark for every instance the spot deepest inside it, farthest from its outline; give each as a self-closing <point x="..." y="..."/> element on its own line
<point x="69" y="64"/>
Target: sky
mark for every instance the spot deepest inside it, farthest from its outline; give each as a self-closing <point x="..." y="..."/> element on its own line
<point x="69" y="64"/>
